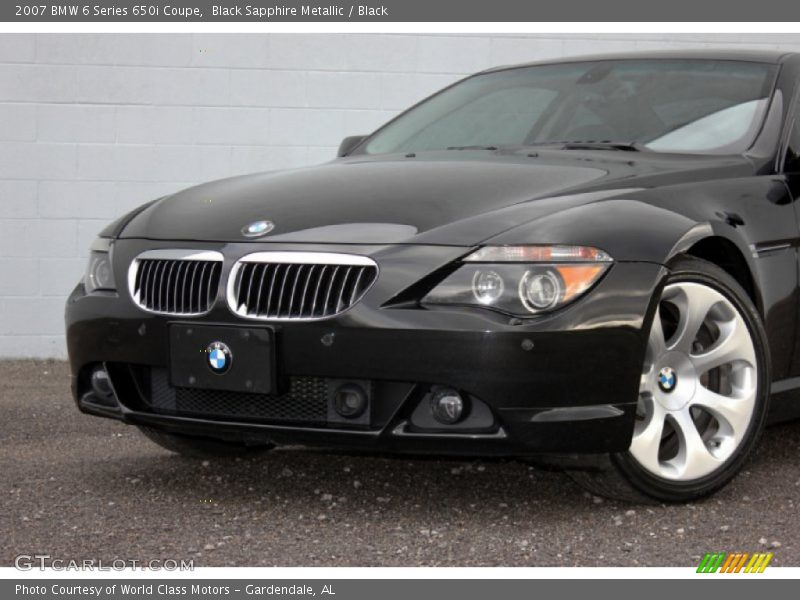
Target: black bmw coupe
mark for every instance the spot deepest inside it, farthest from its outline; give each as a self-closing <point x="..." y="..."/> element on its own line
<point x="592" y="262"/>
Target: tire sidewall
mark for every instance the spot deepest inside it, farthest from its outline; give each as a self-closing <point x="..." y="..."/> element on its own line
<point x="691" y="270"/>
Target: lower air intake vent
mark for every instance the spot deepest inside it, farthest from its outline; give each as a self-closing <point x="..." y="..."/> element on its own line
<point x="305" y="402"/>
<point x="298" y="285"/>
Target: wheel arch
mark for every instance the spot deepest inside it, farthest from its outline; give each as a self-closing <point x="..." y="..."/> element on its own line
<point x="727" y="256"/>
<point x="705" y="241"/>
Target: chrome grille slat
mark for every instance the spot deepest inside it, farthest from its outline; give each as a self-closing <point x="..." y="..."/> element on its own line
<point x="165" y="287"/>
<point x="240" y="283"/>
<point x="330" y="289"/>
<point x="175" y="282"/>
<point x="283" y="287"/>
<point x="298" y="285"/>
<point x="354" y="293"/>
<point x="139" y="276"/>
<point x="275" y="270"/>
<point x="179" y="285"/>
<point x="200" y="280"/>
<point x="250" y="285"/>
<point x="305" y="287"/>
<point x="151" y="289"/>
<point x="299" y="271"/>
<point x="195" y="266"/>
<point x="342" y="288"/>
<point x="182" y="287"/>
<point x="160" y="290"/>
<point x="211" y="288"/>
<point x="317" y="289"/>
<point x="147" y="275"/>
<point x="264" y="269"/>
<point x="162" y="275"/>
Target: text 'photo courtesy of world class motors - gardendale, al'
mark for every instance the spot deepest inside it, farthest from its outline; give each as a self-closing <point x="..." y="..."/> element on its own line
<point x="400" y="299"/>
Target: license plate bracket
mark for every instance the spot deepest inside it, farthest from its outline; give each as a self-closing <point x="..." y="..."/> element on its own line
<point x="249" y="364"/>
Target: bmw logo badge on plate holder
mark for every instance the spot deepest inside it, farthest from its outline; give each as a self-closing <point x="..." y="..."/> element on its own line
<point x="218" y="357"/>
<point x="257" y="229"/>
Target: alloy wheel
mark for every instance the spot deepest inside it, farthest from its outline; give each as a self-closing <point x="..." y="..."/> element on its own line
<point x="699" y="385"/>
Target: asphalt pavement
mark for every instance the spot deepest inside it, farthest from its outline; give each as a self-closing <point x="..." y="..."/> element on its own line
<point x="75" y="487"/>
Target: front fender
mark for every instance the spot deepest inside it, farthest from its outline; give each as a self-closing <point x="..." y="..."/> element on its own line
<point x="754" y="217"/>
<point x="628" y="229"/>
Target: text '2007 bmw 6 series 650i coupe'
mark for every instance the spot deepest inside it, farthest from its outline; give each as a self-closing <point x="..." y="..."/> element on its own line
<point x="592" y="262"/>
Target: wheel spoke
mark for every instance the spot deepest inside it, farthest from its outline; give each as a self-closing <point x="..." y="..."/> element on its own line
<point x="694" y="458"/>
<point x="647" y="442"/>
<point x="657" y="344"/>
<point x="734" y="344"/>
<point x="733" y="411"/>
<point x="693" y="301"/>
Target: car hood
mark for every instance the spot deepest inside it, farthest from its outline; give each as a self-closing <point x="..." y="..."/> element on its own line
<point x="457" y="198"/>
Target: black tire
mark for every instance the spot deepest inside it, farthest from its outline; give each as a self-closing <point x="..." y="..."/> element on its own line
<point x="200" y="447"/>
<point x="622" y="477"/>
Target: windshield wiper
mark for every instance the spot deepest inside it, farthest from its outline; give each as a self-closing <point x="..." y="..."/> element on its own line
<point x="623" y="146"/>
<point x="563" y="145"/>
<point x="472" y="148"/>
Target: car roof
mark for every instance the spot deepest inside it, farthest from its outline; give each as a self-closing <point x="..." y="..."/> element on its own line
<point x="762" y="56"/>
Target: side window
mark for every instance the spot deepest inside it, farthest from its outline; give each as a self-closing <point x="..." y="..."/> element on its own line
<point x="792" y="164"/>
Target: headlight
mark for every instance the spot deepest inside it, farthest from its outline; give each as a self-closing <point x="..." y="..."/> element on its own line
<point x="522" y="280"/>
<point x="99" y="274"/>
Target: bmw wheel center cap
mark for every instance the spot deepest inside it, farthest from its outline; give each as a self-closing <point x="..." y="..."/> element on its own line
<point x="667" y="379"/>
<point x="218" y="357"/>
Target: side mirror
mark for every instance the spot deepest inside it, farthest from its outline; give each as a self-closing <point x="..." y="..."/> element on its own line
<point x="348" y="144"/>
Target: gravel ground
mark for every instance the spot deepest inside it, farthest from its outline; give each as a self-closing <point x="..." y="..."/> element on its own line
<point x="75" y="486"/>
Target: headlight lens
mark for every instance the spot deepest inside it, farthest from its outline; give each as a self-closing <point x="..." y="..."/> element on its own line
<point x="99" y="273"/>
<point x="522" y="280"/>
<point x="539" y="291"/>
<point x="487" y="286"/>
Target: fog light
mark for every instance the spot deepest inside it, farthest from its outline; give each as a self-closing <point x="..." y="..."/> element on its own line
<point x="101" y="384"/>
<point x="350" y="401"/>
<point x="447" y="406"/>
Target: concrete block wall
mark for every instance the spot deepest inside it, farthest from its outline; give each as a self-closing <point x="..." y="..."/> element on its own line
<point x="93" y="125"/>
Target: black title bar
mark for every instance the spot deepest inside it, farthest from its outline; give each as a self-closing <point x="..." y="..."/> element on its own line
<point x="107" y="11"/>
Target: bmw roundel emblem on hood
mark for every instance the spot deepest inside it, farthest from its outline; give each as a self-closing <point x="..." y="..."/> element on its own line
<point x="218" y="357"/>
<point x="257" y="228"/>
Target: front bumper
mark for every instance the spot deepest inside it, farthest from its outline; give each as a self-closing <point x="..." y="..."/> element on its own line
<point x="563" y="383"/>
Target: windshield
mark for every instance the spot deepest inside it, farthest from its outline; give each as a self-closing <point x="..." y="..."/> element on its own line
<point x="694" y="106"/>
